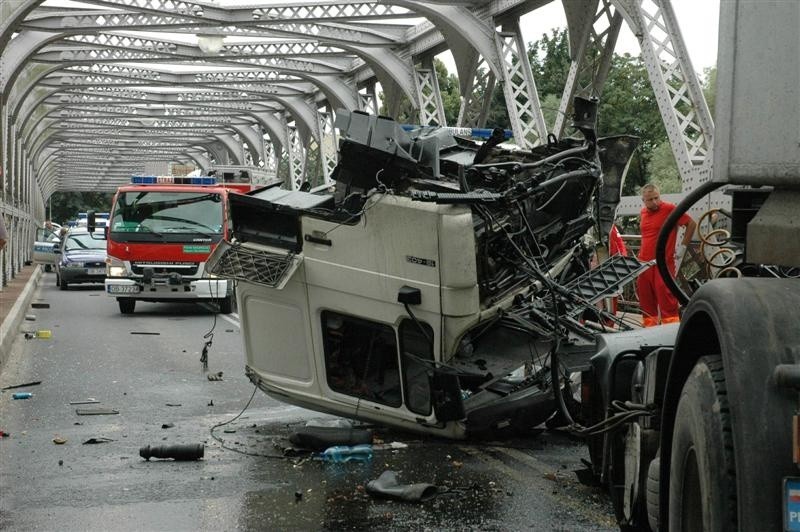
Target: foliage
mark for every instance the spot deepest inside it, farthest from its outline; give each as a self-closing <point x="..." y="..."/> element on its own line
<point x="65" y="206"/>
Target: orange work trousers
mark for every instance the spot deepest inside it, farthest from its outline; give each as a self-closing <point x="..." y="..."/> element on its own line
<point x="655" y="299"/>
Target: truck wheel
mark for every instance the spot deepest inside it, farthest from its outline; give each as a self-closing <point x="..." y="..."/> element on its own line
<point x="126" y="305"/>
<point x="225" y="305"/>
<point x="62" y="284"/>
<point x="702" y="486"/>
<point x="652" y="498"/>
<point x="48" y="268"/>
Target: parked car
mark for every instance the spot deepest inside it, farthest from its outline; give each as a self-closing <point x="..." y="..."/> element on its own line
<point x="44" y="246"/>
<point x="82" y="258"/>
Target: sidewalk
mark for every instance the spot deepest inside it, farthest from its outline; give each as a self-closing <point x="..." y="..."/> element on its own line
<point x="14" y="302"/>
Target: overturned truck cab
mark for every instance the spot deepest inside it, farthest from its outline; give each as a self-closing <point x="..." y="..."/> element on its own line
<point x="438" y="283"/>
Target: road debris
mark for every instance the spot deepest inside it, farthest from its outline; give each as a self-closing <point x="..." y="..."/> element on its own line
<point x="96" y="440"/>
<point x="14" y="386"/>
<point x="87" y="401"/>
<point x="58" y="440"/>
<point x="388" y="486"/>
<point x="181" y="452"/>
<point x="22" y="395"/>
<point x="167" y="425"/>
<point x="215" y="376"/>
<point x="96" y="411"/>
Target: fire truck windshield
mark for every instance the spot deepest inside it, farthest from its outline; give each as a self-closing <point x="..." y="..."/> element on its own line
<point x="167" y="216"/>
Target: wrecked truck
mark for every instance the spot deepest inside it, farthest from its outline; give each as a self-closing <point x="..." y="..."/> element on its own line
<point x="441" y="286"/>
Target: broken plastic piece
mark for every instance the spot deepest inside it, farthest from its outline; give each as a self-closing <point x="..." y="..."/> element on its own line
<point x="215" y="376"/>
<point x="388" y="486"/>
<point x="344" y="453"/>
<point x="189" y="451"/>
<point x="22" y="395"/>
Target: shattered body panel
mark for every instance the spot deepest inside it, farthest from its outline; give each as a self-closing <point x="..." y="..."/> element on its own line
<point x="429" y="289"/>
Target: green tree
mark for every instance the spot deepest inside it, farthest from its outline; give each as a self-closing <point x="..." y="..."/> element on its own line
<point x="65" y="206"/>
<point x="451" y="98"/>
<point x="628" y="106"/>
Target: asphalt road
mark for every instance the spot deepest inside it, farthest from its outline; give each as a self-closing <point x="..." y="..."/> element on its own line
<point x="146" y="366"/>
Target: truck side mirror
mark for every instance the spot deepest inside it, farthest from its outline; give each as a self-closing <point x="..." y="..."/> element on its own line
<point x="90" y="221"/>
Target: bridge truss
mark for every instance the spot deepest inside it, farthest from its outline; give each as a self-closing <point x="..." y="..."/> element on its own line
<point x="91" y="94"/>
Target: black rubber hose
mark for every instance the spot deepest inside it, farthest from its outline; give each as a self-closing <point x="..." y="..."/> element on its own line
<point x="666" y="229"/>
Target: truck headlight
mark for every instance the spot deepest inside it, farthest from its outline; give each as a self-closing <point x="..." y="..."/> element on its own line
<point x="115" y="267"/>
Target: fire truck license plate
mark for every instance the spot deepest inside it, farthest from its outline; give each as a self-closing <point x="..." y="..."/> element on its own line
<point x="791" y="503"/>
<point x="122" y="289"/>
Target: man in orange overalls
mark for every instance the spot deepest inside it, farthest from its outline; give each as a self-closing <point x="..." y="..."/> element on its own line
<point x="657" y="303"/>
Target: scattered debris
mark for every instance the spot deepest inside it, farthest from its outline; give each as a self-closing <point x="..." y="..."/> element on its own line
<point x="320" y="438"/>
<point x="30" y="317"/>
<point x="167" y="425"/>
<point x="215" y="376"/>
<point x="22" y="395"/>
<point x="87" y="401"/>
<point x="93" y="441"/>
<point x="58" y="440"/>
<point x="40" y="305"/>
<point x="229" y="431"/>
<point x="96" y="411"/>
<point x="211" y="403"/>
<point x="388" y="486"/>
<point x="34" y="383"/>
<point x="4" y="434"/>
<point x="298" y="495"/>
<point x="61" y="462"/>
<point x="44" y="333"/>
<point x="189" y="451"/>
<point x="174" y="404"/>
<point x="146" y="333"/>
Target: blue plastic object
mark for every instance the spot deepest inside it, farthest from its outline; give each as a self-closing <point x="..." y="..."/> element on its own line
<point x="22" y="395"/>
<point x="348" y="453"/>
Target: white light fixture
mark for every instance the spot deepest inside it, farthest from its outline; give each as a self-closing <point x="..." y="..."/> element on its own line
<point x="210" y="44"/>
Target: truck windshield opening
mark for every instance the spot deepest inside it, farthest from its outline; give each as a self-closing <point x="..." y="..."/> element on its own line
<point x="167" y="216"/>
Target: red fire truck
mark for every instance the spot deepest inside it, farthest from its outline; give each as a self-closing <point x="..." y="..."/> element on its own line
<point x="161" y="231"/>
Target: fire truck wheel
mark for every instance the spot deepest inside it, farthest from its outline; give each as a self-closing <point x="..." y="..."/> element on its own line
<point x="126" y="305"/>
<point x="62" y="284"/>
<point x="226" y="305"/>
<point x="702" y="485"/>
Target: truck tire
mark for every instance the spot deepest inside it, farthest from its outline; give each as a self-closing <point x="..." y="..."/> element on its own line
<point x="653" y="490"/>
<point x="225" y="305"/>
<point x="126" y="305"/>
<point x="62" y="284"/>
<point x="702" y="484"/>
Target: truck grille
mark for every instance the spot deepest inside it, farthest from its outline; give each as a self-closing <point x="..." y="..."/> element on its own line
<point x="183" y="268"/>
<point x="252" y="265"/>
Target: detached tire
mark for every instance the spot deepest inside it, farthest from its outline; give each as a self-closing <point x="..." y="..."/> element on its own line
<point x="702" y="487"/>
<point x="126" y="305"/>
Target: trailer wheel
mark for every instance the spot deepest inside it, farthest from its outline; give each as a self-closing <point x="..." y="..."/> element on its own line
<point x="702" y="487"/>
<point x="126" y="305"/>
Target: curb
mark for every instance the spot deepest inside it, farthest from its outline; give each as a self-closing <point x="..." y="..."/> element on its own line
<point x="8" y="329"/>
